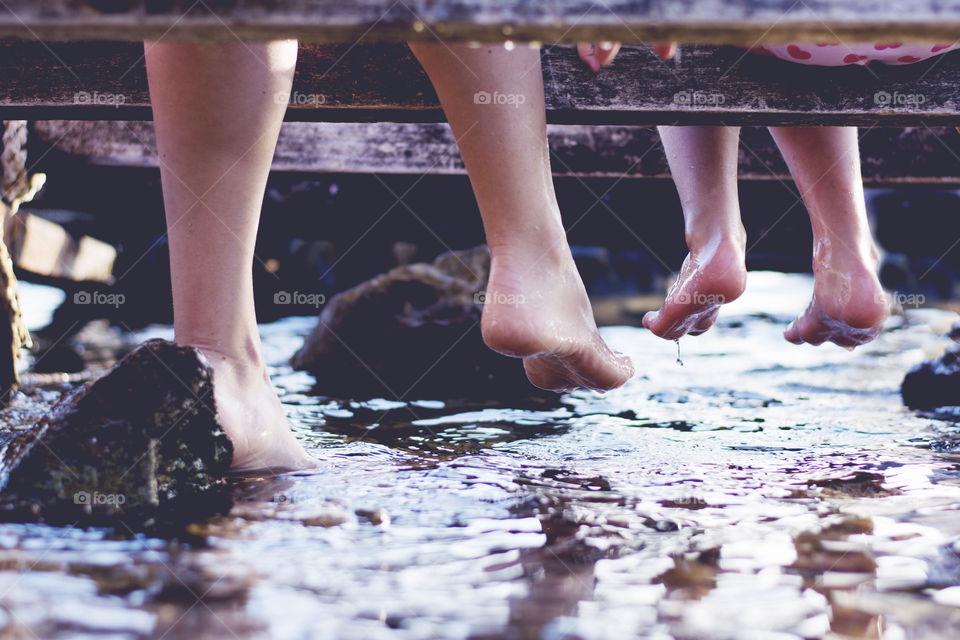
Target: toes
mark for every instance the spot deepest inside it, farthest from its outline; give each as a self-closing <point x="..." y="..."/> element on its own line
<point x="814" y="333"/>
<point x="677" y="320"/>
<point x="654" y="321"/>
<point x="815" y="330"/>
<point x="666" y="51"/>
<point x="588" y="54"/>
<point x="606" y="52"/>
<point x="852" y="337"/>
<point x="792" y="333"/>
<point x="807" y="329"/>
<point x="625" y="365"/>
<point x="613" y="372"/>
<point x="663" y="326"/>
<point x="649" y="319"/>
<point x="705" y="322"/>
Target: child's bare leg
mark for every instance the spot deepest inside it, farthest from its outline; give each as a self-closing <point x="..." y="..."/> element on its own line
<point x="703" y="162"/>
<point x="536" y="306"/>
<point x="849" y="305"/>
<point x="217" y="122"/>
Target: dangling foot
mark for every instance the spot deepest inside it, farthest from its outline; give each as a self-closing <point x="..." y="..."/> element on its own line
<point x="713" y="274"/>
<point x="536" y="308"/>
<point x="849" y="305"/>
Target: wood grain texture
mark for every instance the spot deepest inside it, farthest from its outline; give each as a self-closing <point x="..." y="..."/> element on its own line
<point x="370" y="83"/>
<point x="916" y="155"/>
<point x="46" y="248"/>
<point x="635" y="21"/>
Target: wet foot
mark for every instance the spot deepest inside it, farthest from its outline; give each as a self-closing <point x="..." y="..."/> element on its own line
<point x="849" y="305"/>
<point x="536" y="308"/>
<point x="713" y="274"/>
<point x="252" y="417"/>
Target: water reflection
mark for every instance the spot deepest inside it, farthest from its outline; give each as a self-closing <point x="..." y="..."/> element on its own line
<point x="759" y="491"/>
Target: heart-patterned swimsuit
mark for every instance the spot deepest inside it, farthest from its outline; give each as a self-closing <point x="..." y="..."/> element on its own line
<point x="835" y="55"/>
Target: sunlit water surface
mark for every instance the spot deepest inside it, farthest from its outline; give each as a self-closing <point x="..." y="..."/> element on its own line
<point x="760" y="490"/>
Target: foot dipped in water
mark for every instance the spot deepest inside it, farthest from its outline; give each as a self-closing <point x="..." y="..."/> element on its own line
<point x="252" y="417"/>
<point x="849" y="305"/>
<point x="536" y="308"/>
<point x="713" y="274"/>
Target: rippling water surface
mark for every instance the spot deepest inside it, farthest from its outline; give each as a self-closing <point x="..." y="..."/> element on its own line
<point x="760" y="490"/>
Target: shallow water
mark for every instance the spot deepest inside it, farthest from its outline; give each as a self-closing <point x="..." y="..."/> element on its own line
<point x="761" y="490"/>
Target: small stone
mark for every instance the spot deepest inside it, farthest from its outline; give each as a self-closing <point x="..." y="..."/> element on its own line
<point x="330" y="518"/>
<point x="379" y="517"/>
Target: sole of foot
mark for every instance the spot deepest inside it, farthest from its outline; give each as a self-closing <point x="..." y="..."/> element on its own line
<point x="848" y="308"/>
<point x="536" y="308"/>
<point x="707" y="281"/>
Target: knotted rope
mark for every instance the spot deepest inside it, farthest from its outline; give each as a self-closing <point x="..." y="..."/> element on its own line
<point x="16" y="185"/>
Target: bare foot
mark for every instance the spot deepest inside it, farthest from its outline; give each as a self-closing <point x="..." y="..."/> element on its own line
<point x="252" y="416"/>
<point x="536" y="308"/>
<point x="713" y="274"/>
<point x="849" y="305"/>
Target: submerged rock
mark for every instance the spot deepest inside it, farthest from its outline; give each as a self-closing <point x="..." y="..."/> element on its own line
<point x="935" y="383"/>
<point x="954" y="333"/>
<point x="858" y="484"/>
<point x="140" y="443"/>
<point x="412" y="333"/>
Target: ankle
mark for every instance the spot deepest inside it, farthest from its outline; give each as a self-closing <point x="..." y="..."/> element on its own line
<point x="245" y="362"/>
<point x="705" y="237"/>
<point x="541" y="227"/>
<point x="548" y="250"/>
<point x="856" y="255"/>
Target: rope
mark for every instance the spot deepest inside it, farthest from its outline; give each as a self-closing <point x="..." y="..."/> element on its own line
<point x="16" y="185"/>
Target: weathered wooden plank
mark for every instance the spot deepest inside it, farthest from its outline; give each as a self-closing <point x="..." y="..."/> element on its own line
<point x="704" y="21"/>
<point x="45" y="248"/>
<point x="336" y="83"/>
<point x="916" y="155"/>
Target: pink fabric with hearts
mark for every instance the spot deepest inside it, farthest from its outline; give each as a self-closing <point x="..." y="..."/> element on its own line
<point x="836" y="55"/>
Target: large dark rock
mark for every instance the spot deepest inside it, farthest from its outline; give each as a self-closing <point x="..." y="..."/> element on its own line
<point x="412" y="333"/>
<point x="140" y="443"/>
<point x="935" y="383"/>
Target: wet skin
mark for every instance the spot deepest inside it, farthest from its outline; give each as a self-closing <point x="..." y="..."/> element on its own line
<point x="537" y="309"/>
<point x="536" y="306"/>
<point x="848" y="306"/>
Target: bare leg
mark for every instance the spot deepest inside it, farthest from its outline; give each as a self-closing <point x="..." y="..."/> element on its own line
<point x="536" y="306"/>
<point x="849" y="305"/>
<point x="217" y="122"/>
<point x="703" y="162"/>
